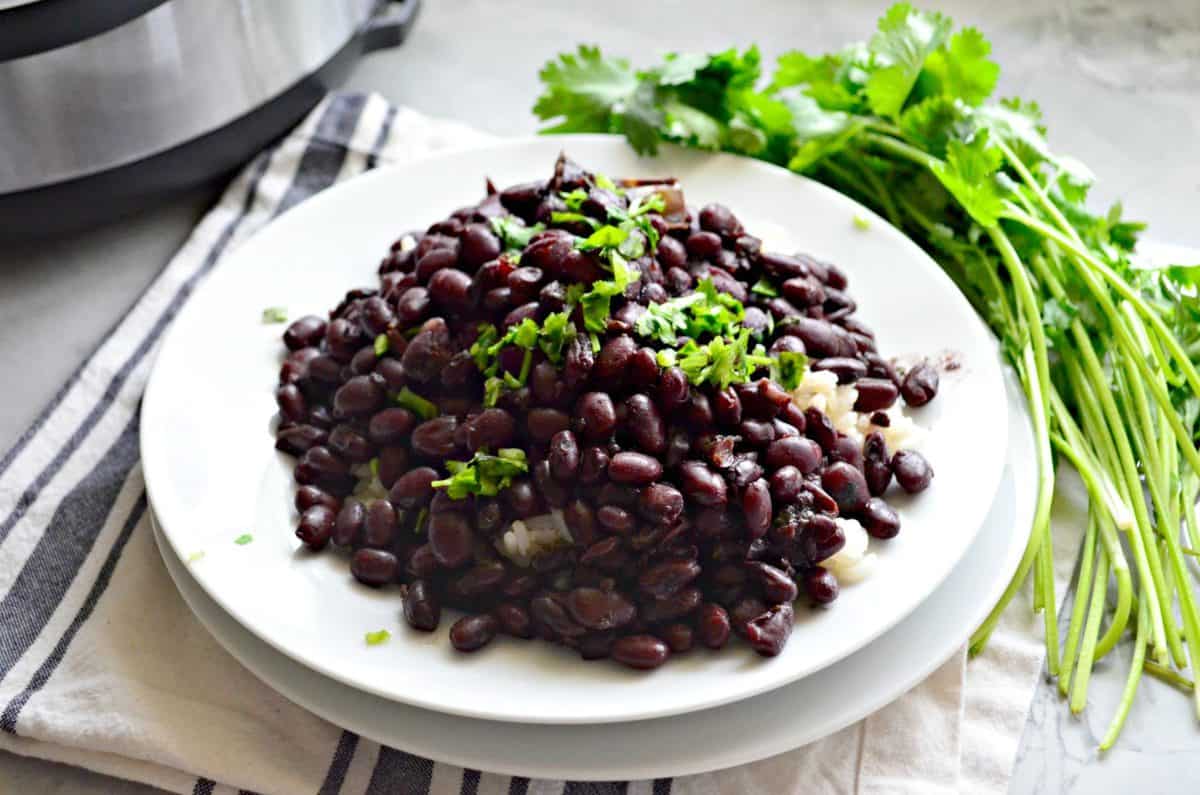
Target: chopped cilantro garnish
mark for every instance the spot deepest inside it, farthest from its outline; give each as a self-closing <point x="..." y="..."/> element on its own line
<point x="789" y="368"/>
<point x="195" y="556"/>
<point x="764" y="287"/>
<point x="373" y="464"/>
<point x="416" y="404"/>
<point x="274" y="314"/>
<point x="597" y="302"/>
<point x="604" y="183"/>
<point x="243" y="539"/>
<point x="479" y="349"/>
<point x="419" y="525"/>
<point x="377" y="637"/>
<point x="575" y="199"/>
<point x="484" y="474"/>
<point x="557" y="331"/>
<point x="513" y="233"/>
<point x="568" y="218"/>
<point x="603" y="237"/>
<point x="861" y="222"/>
<point x="381" y="345"/>
<point x="722" y="360"/>
<point x="705" y="311"/>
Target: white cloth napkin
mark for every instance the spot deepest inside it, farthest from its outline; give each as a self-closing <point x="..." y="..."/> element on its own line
<point x="103" y="666"/>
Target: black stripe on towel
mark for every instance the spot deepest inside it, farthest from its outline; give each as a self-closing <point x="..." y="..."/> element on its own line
<point x="470" y="782"/>
<point x="326" y="152"/>
<point x="400" y="773"/>
<point x="8" y="720"/>
<point x="342" y="757"/>
<point x="662" y="786"/>
<point x="596" y="788"/>
<point x="518" y="786"/>
<point x="203" y="786"/>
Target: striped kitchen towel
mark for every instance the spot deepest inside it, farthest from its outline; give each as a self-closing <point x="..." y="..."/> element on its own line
<point x="103" y="666"/>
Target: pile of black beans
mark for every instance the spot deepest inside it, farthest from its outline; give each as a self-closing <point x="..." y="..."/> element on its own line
<point x="696" y="513"/>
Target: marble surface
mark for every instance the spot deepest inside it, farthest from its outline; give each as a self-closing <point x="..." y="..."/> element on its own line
<point x="1119" y="81"/>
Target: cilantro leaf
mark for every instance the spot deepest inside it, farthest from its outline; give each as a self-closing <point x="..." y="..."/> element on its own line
<point x="557" y="331"/>
<point x="789" y="368"/>
<point x="560" y="217"/>
<point x="484" y="474"/>
<point x="513" y="233"/>
<point x="764" y="287"/>
<point x="963" y="69"/>
<point x="968" y="174"/>
<point x="582" y="89"/>
<point x="243" y="539"/>
<point x="604" y="237"/>
<point x="381" y="345"/>
<point x="904" y="41"/>
<point x="274" y="314"/>
<point x="574" y="199"/>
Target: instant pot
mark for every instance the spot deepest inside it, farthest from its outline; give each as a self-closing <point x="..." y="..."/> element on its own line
<point x="109" y="105"/>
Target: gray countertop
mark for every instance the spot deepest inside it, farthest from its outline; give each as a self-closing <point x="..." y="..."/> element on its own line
<point x="1120" y="86"/>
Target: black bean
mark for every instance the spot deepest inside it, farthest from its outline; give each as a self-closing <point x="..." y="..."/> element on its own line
<point x="600" y="610"/>
<point x="548" y="251"/>
<point x="514" y="620"/>
<point x="390" y="425"/>
<point x="595" y="416"/>
<point x="316" y="526"/>
<point x="781" y="266"/>
<point x="920" y="385"/>
<point x="701" y="485"/>
<point x="703" y="245"/>
<point x="875" y="394"/>
<point x="673" y="390"/>
<point x="757" y="433"/>
<point x="727" y="407"/>
<point x="543" y="424"/>
<point x="768" y="633"/>
<point x="349" y="523"/>
<point x="777" y="586"/>
<point x="672" y="254"/>
<point x="679" y="637"/>
<point x="291" y="402"/>
<point x="296" y="366"/>
<point x="677" y="605"/>
<point x="522" y="499"/>
<point x="879" y="519"/>
<point x="645" y="424"/>
<point x="435" y="438"/>
<point x="820" y="585"/>
<point x="757" y="508"/>
<point x="413" y="489"/>
<point x="305" y="332"/>
<point x="804" y="291"/>
<point x="822" y="538"/>
<point x="380" y="528"/>
<point x="660" y="503"/>
<point x="435" y="261"/>
<point x="578" y="362"/>
<point x="643" y="368"/>
<point x="343" y="339"/>
<point x="876" y="465"/>
<point x="550" y="613"/>
<point x="361" y="395"/>
<point x="613" y="359"/>
<point x="712" y="625"/>
<point x="699" y="413"/>
<point x="819" y="428"/>
<point x="299" y="438"/>
<point x="616" y="519"/>
<point x="374" y="567"/>
<point x="593" y="465"/>
<point x="421" y="607"/>
<point x="847" y="449"/>
<point x="308" y="496"/>
<point x="492" y="429"/>
<point x="786" y="485"/>
<point x="847" y="485"/>
<point x="718" y="218"/>
<point x="667" y="578"/>
<point x="802" y="453"/>
<point x="471" y="633"/>
<point x="912" y="471"/>
<point x="450" y="539"/>
<point x="564" y="456"/>
<point x="477" y="245"/>
<point x="553" y="492"/>
<point x="640" y="651"/>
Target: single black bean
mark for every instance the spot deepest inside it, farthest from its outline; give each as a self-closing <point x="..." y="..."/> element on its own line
<point x="492" y="428"/>
<point x="306" y="332"/>
<point x="308" y="496"/>
<point x="875" y="394"/>
<point x="593" y="465"/>
<point x="677" y="605"/>
<point x="768" y="633"/>
<point x="719" y="219"/>
<point x="879" y="519"/>
<point x="786" y="483"/>
<point x="667" y="578"/>
<point x="712" y="625"/>
<point x="820" y="585"/>
<point x="564" y="456"/>
<point x="847" y="449"/>
<point x="349" y="523"/>
<point x="635" y="468"/>
<point x="920" y="385"/>
<point x="299" y="438"/>
<point x="600" y="610"/>
<point x="701" y="485"/>
<point x="821" y="538"/>
<point x="802" y="453"/>
<point x="612" y="360"/>
<point x="413" y="489"/>
<point x="757" y="508"/>
<point x="542" y="424"/>
<point x="673" y="390"/>
<point x="291" y="402"/>
<point x="380" y="528"/>
<point x="819" y="428"/>
<point x="477" y="245"/>
<point x="703" y="245"/>
<point x="660" y="503"/>
<point x="553" y="492"/>
<point x="522" y="499"/>
<point x="390" y="425"/>
<point x="804" y="291"/>
<point x="643" y="367"/>
<point x="595" y="416"/>
<point x="450" y="539"/>
<point x="645" y="424"/>
<point x="514" y="620"/>
<point x="427" y="354"/>
<point x="616" y="519"/>
<point x="435" y="438"/>
<point x="727" y="407"/>
<point x="912" y="471"/>
<point x="640" y="651"/>
<point x="672" y="254"/>
<point x="678" y="636"/>
<point x="434" y="261"/>
<point x="777" y="586"/>
<point x="374" y="567"/>
<point x="316" y="526"/>
<point x="421" y="607"/>
<point x="552" y="614"/>
<point x="578" y="362"/>
<point x="876" y="465"/>
<point x="350" y="444"/>
<point x="471" y="633"/>
<point x="847" y="485"/>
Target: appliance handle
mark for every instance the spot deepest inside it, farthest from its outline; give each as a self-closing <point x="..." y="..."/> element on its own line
<point x="390" y="24"/>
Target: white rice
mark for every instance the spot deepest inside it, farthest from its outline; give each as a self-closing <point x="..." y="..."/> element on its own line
<point x="820" y="390"/>
<point x="854" y="562"/>
<point x="525" y="539"/>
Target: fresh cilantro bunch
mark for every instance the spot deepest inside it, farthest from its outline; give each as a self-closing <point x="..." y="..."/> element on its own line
<point x="1108" y="354"/>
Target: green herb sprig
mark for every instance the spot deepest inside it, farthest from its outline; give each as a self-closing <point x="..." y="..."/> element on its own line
<point x="1108" y="354"/>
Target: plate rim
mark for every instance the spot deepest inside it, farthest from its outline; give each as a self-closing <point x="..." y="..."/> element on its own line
<point x="315" y="206"/>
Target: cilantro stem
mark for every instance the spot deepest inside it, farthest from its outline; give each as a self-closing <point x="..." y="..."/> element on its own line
<point x="1083" y="584"/>
<point x="1131" y="683"/>
<point x="1087" y="651"/>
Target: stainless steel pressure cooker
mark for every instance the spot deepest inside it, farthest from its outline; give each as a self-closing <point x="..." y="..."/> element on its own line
<point x="109" y="105"/>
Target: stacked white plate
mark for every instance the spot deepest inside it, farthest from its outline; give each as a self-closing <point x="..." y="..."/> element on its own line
<point x="298" y="620"/>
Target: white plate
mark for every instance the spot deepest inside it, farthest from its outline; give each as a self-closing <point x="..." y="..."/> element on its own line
<point x="711" y="739"/>
<point x="213" y="475"/>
